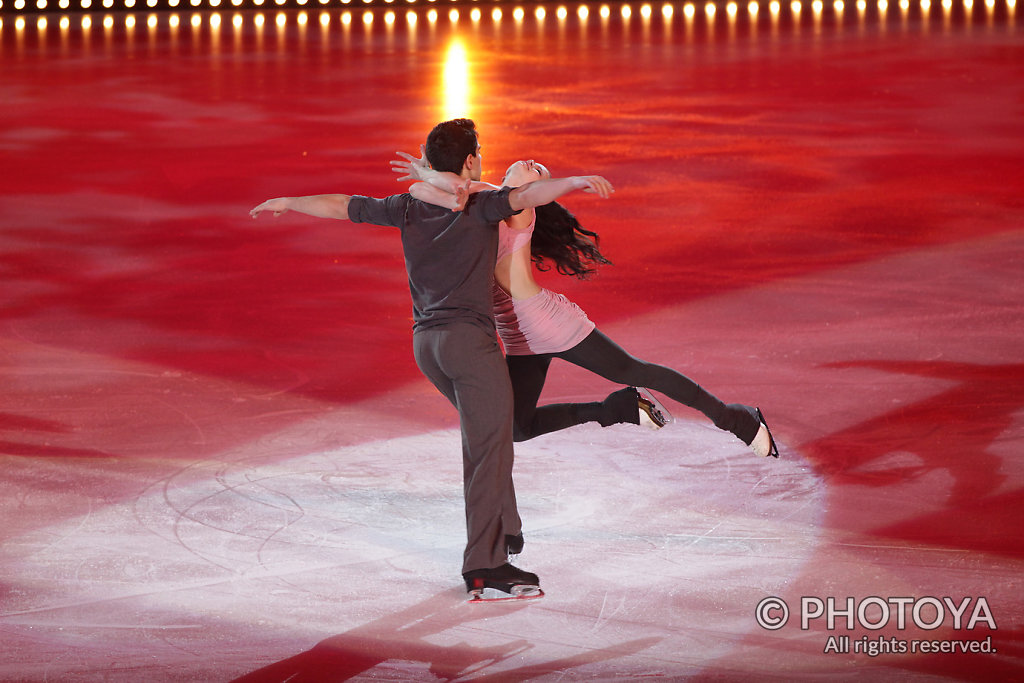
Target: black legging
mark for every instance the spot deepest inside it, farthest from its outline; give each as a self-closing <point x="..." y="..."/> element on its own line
<point x="600" y="355"/>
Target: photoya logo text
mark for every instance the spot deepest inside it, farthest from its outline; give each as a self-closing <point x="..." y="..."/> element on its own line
<point x="874" y="613"/>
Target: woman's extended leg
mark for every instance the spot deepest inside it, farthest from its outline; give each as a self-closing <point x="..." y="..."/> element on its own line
<point x="600" y="355"/>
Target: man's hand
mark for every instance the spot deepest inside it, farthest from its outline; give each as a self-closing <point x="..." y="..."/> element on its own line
<point x="278" y="206"/>
<point x="319" y="205"/>
<point x="413" y="168"/>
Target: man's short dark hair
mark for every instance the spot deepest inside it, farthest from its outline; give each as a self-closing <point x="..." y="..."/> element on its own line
<point x="450" y="143"/>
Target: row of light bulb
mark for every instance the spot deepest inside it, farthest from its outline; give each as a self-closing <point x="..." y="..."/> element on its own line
<point x="689" y="9"/>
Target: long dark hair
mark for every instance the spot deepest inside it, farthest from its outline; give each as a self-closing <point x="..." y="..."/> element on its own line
<point x="559" y="239"/>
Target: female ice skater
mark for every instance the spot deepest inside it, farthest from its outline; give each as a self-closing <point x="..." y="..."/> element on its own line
<point x="536" y="325"/>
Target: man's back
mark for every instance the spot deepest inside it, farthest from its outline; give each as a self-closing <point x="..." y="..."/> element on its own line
<point x="449" y="256"/>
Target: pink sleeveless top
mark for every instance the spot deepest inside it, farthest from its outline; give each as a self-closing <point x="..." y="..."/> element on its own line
<point x="544" y="323"/>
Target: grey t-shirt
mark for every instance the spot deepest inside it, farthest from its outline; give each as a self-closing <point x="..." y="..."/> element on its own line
<point x="449" y="256"/>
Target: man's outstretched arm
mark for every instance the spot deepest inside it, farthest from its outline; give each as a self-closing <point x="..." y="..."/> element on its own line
<point x="320" y="205"/>
<point x="541" y="192"/>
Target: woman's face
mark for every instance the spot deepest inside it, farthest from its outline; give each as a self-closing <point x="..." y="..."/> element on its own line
<point x="523" y="172"/>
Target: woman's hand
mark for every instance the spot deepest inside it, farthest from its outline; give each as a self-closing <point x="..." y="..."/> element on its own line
<point x="595" y="184"/>
<point x="413" y="168"/>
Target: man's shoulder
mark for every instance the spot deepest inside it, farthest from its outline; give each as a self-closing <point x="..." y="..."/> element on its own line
<point x="379" y="210"/>
<point x="488" y="197"/>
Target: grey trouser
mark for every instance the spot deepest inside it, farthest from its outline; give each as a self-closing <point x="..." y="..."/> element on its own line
<point x="466" y="365"/>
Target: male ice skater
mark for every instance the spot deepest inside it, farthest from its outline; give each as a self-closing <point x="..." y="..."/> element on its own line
<point x="450" y="258"/>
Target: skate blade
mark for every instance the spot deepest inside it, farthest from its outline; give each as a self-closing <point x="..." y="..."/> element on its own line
<point x="495" y="595"/>
<point x="653" y="414"/>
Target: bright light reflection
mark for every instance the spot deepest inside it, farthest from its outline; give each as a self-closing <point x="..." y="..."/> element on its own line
<point x="753" y="8"/>
<point x="455" y="82"/>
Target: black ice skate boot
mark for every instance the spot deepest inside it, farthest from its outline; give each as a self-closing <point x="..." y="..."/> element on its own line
<point x="502" y="583"/>
<point x="514" y="544"/>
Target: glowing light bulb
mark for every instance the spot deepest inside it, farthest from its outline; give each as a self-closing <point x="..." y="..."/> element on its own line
<point x="455" y="81"/>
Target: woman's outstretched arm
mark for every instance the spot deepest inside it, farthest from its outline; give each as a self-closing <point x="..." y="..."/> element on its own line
<point x="545" y="191"/>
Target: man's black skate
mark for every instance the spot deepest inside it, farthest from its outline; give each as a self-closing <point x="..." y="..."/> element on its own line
<point x="502" y="583"/>
<point x="514" y="543"/>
